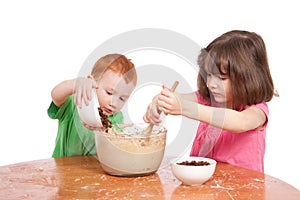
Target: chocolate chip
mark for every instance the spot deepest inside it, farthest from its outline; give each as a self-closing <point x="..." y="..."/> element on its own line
<point x="194" y="163"/>
<point x="106" y="123"/>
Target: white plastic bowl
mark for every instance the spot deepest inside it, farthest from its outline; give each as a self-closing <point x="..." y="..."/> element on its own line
<point x="89" y="113"/>
<point x="193" y="175"/>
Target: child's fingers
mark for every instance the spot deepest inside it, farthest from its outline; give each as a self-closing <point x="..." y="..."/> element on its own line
<point x="166" y="92"/>
<point x="88" y="126"/>
<point x="155" y="121"/>
<point x="151" y="120"/>
<point x="78" y="98"/>
<point x="87" y="95"/>
<point x="152" y="116"/>
<point x="145" y="118"/>
<point x="87" y="86"/>
<point x="94" y="83"/>
<point x="164" y="101"/>
<point x="164" y="107"/>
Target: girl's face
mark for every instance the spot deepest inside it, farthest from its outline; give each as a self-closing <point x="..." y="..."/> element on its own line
<point x="220" y="88"/>
<point x="113" y="92"/>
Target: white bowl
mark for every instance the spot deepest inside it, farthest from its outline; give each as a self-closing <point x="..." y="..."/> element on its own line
<point x="126" y="151"/>
<point x="193" y="175"/>
<point x="89" y="113"/>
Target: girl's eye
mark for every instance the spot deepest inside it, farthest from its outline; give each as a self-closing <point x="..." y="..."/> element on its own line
<point x="208" y="74"/>
<point x="222" y="78"/>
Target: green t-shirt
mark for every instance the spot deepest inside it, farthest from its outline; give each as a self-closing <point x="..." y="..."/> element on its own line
<point x="72" y="137"/>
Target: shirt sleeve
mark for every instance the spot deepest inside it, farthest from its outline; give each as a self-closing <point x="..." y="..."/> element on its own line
<point x="117" y="118"/>
<point x="264" y="107"/>
<point x="55" y="112"/>
<point x="52" y="110"/>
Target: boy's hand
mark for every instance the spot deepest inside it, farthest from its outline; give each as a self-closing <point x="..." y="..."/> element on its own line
<point x="83" y="88"/>
<point x="88" y="126"/>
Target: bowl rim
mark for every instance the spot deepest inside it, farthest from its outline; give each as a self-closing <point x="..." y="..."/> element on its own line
<point x="125" y="135"/>
<point x="211" y="161"/>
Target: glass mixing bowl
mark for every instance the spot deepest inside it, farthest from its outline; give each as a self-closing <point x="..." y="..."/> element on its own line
<point x="124" y="150"/>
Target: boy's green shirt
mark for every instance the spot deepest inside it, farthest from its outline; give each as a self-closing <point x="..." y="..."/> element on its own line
<point x="72" y="137"/>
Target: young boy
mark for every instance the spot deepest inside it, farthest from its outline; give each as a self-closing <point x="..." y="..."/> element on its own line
<point x="114" y="78"/>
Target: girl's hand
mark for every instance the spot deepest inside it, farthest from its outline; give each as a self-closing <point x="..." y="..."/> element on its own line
<point x="83" y="89"/>
<point x="152" y="115"/>
<point x="169" y="103"/>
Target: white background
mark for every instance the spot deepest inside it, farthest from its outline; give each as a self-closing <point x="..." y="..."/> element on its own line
<point x="45" y="42"/>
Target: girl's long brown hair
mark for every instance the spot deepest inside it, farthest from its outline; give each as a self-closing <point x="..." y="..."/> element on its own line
<point x="242" y="56"/>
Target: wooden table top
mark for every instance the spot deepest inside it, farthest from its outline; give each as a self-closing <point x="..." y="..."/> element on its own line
<point x="81" y="177"/>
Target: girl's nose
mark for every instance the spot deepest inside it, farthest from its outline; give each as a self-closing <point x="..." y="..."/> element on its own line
<point x="212" y="82"/>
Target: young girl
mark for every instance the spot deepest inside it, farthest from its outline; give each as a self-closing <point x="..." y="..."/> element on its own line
<point x="234" y="84"/>
<point x="114" y="78"/>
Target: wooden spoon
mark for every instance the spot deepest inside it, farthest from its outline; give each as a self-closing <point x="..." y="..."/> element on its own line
<point x="148" y="130"/>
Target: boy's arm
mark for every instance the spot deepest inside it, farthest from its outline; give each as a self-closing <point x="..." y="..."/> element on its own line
<point x="61" y="91"/>
<point x="81" y="87"/>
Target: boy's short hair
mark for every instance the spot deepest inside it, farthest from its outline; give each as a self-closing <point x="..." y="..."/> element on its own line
<point x="118" y="63"/>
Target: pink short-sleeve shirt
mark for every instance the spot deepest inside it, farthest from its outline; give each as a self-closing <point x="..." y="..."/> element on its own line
<point x="245" y="149"/>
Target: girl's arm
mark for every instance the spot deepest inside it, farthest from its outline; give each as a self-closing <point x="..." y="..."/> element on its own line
<point x="153" y="117"/>
<point x="223" y="118"/>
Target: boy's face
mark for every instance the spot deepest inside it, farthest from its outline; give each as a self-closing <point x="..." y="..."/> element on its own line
<point x="113" y="92"/>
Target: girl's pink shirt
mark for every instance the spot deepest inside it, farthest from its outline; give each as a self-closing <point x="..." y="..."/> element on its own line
<point x="245" y="149"/>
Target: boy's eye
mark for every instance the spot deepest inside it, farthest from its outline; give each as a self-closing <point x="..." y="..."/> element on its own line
<point x="123" y="98"/>
<point x="108" y="92"/>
